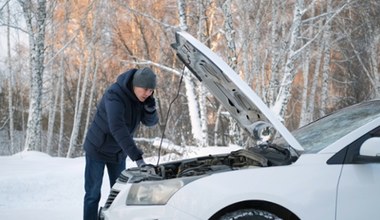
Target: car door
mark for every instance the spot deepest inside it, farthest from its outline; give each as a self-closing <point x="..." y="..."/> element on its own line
<point x="358" y="194"/>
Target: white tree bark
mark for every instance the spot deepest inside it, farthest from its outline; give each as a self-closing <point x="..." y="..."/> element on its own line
<point x="283" y="95"/>
<point x="10" y="85"/>
<point x="255" y="51"/>
<point x="53" y="91"/>
<point x="304" y="115"/>
<point x="36" y="23"/>
<point x="216" y="127"/>
<point x="270" y="93"/>
<point x="374" y="53"/>
<point x="245" y="9"/>
<point x="182" y="14"/>
<point x="53" y="101"/>
<point x="61" y="135"/>
<point x="74" y="129"/>
<point x="202" y="93"/>
<point x="326" y="63"/>
<point x="234" y="131"/>
<point x="61" y="107"/>
<point x="374" y="50"/>
<point x="91" y="101"/>
<point x="193" y="107"/>
<point x="78" y="114"/>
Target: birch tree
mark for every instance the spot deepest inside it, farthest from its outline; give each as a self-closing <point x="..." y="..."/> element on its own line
<point x="61" y="80"/>
<point x="10" y="84"/>
<point x="326" y="60"/>
<point x="260" y="5"/>
<point x="81" y="99"/>
<point x="53" y="91"/>
<point x="53" y="100"/>
<point x="35" y="16"/>
<point x="189" y="84"/>
<point x="283" y="95"/>
<point x="308" y="92"/>
<point x="373" y="28"/>
<point x="276" y="48"/>
<point x="202" y="28"/>
<point x="234" y="130"/>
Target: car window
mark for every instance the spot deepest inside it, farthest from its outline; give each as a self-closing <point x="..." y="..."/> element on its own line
<point x="325" y="131"/>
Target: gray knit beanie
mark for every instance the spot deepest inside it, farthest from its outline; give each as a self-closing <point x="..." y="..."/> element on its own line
<point x="144" y="78"/>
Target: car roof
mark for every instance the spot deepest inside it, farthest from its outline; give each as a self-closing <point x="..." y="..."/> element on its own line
<point x="225" y="84"/>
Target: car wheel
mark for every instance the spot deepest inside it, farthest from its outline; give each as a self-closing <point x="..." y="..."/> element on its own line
<point x="249" y="214"/>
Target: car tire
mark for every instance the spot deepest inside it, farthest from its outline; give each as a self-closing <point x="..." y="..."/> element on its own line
<point x="249" y="214"/>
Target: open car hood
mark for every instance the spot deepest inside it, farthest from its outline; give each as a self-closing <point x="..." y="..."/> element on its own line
<point x="234" y="94"/>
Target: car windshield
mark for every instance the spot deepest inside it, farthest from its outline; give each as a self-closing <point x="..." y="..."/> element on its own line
<point x="325" y="131"/>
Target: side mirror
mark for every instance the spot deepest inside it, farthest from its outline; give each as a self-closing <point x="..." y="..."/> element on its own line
<point x="371" y="147"/>
<point x="369" y="151"/>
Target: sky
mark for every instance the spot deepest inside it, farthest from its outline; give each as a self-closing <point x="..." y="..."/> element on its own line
<point x="34" y="185"/>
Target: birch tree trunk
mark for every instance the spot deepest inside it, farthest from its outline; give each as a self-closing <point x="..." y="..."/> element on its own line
<point x="67" y="15"/>
<point x="79" y="110"/>
<point x="91" y="101"/>
<point x="203" y="142"/>
<point x="217" y="122"/>
<point x="374" y="53"/>
<point x="255" y="45"/>
<point x="234" y="130"/>
<point x="326" y="63"/>
<point x="61" y="108"/>
<point x="275" y="52"/>
<point x="305" y="115"/>
<point x="35" y="22"/>
<point x="74" y="129"/>
<point x="305" y="72"/>
<point x="53" y="92"/>
<point x="283" y="95"/>
<point x="10" y="85"/>
<point x="189" y="85"/>
<point x="246" y="8"/>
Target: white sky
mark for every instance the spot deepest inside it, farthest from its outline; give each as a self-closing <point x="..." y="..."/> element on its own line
<point x="34" y="185"/>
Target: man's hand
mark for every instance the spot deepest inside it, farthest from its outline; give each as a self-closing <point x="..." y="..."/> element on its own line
<point x="150" y="104"/>
<point x="149" y="168"/>
<point x="140" y="162"/>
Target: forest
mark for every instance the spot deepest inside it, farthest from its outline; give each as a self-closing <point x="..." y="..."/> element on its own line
<point x="304" y="58"/>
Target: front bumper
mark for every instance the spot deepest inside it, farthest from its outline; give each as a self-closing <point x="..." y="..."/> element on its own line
<point x="144" y="213"/>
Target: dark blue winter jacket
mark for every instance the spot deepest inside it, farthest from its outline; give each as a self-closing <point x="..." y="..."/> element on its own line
<point x="119" y="113"/>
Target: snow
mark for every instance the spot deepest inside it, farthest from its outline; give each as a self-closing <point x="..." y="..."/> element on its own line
<point x="34" y="185"/>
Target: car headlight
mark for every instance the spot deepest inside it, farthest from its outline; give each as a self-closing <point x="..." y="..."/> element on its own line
<point x="156" y="192"/>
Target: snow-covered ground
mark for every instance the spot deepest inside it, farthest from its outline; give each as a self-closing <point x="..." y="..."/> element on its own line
<point x="34" y="185"/>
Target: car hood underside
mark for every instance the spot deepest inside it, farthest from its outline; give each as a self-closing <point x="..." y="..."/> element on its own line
<point x="224" y="83"/>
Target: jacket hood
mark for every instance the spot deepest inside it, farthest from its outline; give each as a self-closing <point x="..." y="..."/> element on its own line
<point x="124" y="81"/>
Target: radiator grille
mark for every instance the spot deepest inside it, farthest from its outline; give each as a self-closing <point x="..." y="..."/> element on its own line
<point x="111" y="197"/>
<point x="122" y="178"/>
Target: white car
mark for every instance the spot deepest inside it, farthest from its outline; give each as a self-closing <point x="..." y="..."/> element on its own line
<point x="329" y="169"/>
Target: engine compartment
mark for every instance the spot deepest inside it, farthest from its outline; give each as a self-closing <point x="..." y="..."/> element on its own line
<point x="211" y="164"/>
<point x="262" y="156"/>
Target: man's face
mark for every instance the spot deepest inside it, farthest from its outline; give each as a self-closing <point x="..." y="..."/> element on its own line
<point x="142" y="93"/>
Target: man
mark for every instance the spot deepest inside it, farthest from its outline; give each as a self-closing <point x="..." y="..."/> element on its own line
<point x="109" y="140"/>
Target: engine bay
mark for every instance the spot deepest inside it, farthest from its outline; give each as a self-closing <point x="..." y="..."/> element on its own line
<point x="206" y="165"/>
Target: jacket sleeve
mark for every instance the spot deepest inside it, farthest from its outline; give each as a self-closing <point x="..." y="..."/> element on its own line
<point x="115" y="110"/>
<point x="149" y="118"/>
